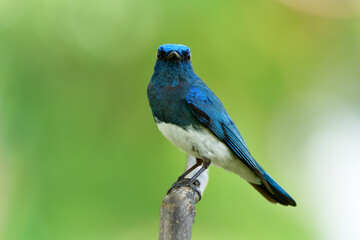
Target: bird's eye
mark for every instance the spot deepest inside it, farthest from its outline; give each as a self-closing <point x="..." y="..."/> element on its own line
<point x="158" y="55"/>
<point x="188" y="56"/>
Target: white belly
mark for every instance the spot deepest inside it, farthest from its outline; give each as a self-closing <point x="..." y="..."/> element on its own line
<point x="202" y="143"/>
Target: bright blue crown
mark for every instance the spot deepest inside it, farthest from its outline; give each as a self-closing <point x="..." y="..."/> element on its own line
<point x="174" y="47"/>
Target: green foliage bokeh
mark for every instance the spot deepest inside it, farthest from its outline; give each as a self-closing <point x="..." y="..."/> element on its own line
<point x="80" y="154"/>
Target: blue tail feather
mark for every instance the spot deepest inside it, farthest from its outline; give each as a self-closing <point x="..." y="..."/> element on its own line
<point x="279" y="196"/>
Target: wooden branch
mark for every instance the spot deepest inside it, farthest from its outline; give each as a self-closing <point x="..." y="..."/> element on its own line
<point x="177" y="212"/>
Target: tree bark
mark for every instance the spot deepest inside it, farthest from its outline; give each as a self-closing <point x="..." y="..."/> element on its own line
<point x="177" y="212"/>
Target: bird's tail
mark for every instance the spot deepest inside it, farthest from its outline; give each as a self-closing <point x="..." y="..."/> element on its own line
<point x="279" y="195"/>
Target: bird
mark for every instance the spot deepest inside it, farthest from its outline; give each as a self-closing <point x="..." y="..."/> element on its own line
<point x="193" y="119"/>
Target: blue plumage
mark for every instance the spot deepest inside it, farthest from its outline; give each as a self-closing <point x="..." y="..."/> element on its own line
<point x="167" y="48"/>
<point x="182" y="102"/>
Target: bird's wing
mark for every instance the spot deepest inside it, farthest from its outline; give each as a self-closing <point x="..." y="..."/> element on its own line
<point x="210" y="112"/>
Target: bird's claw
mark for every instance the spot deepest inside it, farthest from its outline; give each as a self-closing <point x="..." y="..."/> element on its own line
<point x="186" y="182"/>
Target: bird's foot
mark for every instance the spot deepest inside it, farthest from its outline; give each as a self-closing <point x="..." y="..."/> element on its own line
<point x="186" y="182"/>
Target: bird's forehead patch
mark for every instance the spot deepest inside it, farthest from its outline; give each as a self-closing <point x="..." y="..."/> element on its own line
<point x="174" y="47"/>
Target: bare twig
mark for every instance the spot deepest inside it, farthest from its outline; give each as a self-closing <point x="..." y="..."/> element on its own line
<point x="177" y="212"/>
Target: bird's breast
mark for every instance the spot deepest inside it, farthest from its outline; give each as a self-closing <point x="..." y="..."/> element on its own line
<point x="201" y="143"/>
<point x="198" y="142"/>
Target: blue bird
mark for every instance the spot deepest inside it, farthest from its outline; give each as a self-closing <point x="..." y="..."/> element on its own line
<point x="191" y="117"/>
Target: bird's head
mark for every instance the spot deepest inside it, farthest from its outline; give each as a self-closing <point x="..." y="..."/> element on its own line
<point x="173" y="53"/>
<point x="173" y="65"/>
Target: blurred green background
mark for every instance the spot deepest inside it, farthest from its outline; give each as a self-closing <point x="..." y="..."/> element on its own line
<point x="80" y="154"/>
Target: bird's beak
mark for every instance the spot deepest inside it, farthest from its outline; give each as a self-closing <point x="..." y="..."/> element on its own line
<point x="174" y="55"/>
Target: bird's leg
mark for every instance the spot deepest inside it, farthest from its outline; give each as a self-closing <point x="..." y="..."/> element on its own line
<point x="192" y="182"/>
<point x="205" y="165"/>
<point x="181" y="181"/>
<point x="198" y="163"/>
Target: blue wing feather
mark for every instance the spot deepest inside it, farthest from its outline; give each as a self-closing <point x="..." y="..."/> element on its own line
<point x="208" y="109"/>
<point x="210" y="112"/>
